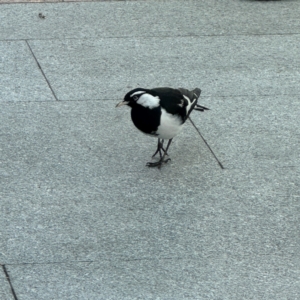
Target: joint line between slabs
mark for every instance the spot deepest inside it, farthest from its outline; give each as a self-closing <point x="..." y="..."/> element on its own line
<point x="212" y="152"/>
<point x="9" y="282"/>
<point x="38" y="64"/>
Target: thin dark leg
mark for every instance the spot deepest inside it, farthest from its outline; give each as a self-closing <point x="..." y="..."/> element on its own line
<point x="159" y="147"/>
<point x="200" y="107"/>
<point x="162" y="157"/>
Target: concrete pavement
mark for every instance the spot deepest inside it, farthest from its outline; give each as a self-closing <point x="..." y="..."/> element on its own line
<point x="83" y="218"/>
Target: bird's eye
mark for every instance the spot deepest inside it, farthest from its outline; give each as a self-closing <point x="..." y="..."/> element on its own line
<point x="135" y="98"/>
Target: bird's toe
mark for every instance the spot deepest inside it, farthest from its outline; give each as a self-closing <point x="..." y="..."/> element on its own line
<point x="157" y="163"/>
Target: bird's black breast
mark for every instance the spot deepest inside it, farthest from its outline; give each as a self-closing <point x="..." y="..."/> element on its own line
<point x="146" y="119"/>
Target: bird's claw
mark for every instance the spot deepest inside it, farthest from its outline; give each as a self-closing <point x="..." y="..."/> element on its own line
<point x="158" y="163"/>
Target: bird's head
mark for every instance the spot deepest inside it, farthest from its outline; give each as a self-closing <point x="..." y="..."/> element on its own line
<point x="140" y="96"/>
<point x="132" y="97"/>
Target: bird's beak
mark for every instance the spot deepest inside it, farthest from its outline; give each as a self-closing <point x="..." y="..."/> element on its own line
<point x="122" y="103"/>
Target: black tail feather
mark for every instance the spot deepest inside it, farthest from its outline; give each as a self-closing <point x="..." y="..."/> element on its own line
<point x="200" y="107"/>
<point x="197" y="92"/>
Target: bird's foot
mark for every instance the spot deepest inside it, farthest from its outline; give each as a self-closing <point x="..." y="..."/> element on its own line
<point x="162" y="156"/>
<point x="158" y="163"/>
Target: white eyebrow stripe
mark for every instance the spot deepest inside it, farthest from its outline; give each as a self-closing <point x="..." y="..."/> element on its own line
<point x="137" y="93"/>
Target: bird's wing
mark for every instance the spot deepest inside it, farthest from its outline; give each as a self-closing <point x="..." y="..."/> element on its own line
<point x="171" y="100"/>
<point x="194" y="94"/>
<point x="179" y="101"/>
<point x="191" y="98"/>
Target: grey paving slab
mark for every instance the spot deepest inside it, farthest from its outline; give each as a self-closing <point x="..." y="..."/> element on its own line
<point x="254" y="132"/>
<point x="230" y="65"/>
<point x="224" y="277"/>
<point x="75" y="187"/>
<point x="85" y="223"/>
<point x="20" y="77"/>
<point x="83" y="218"/>
<point x="74" y="145"/>
<point x="5" y="290"/>
<point x="148" y="18"/>
<point x="68" y="224"/>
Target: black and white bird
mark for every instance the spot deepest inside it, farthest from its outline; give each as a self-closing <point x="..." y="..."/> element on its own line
<point x="161" y="112"/>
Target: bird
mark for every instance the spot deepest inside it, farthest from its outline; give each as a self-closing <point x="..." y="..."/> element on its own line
<point x="161" y="112"/>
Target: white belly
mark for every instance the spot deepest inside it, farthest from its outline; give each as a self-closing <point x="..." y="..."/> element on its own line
<point x="170" y="125"/>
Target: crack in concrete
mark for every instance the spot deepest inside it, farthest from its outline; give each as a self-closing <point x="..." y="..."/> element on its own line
<point x="37" y="62"/>
<point x="212" y="152"/>
<point x="9" y="282"/>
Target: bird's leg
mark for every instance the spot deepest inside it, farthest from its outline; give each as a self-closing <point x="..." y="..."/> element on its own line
<point x="162" y="157"/>
<point x="160" y="144"/>
<point x="158" y="148"/>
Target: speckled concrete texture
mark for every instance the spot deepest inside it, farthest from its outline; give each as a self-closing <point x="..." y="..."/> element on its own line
<point x="5" y="289"/>
<point x="21" y="79"/>
<point x="225" y="277"/>
<point x="81" y="215"/>
<point x="149" y="18"/>
<point x="222" y="66"/>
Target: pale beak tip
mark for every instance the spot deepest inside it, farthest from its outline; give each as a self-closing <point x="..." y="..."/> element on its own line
<point x="121" y="103"/>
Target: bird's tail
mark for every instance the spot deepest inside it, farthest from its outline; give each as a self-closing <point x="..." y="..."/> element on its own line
<point x="190" y="94"/>
<point x="193" y="95"/>
<point x="200" y="107"/>
<point x="196" y="92"/>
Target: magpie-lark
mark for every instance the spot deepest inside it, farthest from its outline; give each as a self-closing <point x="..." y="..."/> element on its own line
<point x="161" y="112"/>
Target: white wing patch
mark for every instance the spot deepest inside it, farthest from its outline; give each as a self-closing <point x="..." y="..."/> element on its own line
<point x="189" y="103"/>
<point x="148" y="100"/>
<point x="170" y="125"/>
<point x="181" y="103"/>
